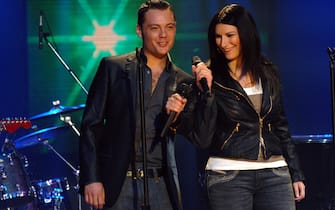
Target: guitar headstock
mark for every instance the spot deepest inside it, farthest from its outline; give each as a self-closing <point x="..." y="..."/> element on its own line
<point x="11" y="125"/>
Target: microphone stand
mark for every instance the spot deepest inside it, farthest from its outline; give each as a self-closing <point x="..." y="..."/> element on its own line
<point x="331" y="65"/>
<point x="331" y="52"/>
<point x="140" y="71"/>
<point x="53" y="49"/>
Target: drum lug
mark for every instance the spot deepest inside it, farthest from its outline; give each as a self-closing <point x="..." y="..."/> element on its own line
<point x="66" y="184"/>
<point x="25" y="161"/>
<point x="3" y="189"/>
<point x="4" y="175"/>
<point x="18" y="187"/>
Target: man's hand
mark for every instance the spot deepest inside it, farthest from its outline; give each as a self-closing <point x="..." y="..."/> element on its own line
<point x="95" y="195"/>
<point x="175" y="103"/>
<point x="299" y="190"/>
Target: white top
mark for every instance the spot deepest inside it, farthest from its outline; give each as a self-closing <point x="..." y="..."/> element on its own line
<point x="215" y="163"/>
<point x="254" y="90"/>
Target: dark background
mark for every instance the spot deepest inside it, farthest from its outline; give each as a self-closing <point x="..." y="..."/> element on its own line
<point x="295" y="35"/>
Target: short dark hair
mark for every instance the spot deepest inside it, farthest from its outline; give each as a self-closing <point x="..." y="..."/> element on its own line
<point x="152" y="4"/>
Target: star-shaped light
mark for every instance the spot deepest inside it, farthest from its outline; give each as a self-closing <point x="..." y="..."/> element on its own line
<point x="104" y="38"/>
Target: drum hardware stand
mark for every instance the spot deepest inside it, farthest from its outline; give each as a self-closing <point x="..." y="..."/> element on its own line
<point x="44" y="35"/>
<point x="67" y="119"/>
<point x="75" y="171"/>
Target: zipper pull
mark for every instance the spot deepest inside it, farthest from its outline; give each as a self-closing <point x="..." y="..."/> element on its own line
<point x="237" y="127"/>
<point x="260" y="123"/>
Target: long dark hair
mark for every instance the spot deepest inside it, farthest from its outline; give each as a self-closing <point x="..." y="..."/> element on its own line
<point x="236" y="15"/>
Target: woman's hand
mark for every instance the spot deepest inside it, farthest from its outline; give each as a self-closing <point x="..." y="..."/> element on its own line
<point x="201" y="71"/>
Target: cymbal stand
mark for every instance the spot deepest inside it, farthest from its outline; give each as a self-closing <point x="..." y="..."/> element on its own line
<point x="75" y="171"/>
<point x="67" y="119"/>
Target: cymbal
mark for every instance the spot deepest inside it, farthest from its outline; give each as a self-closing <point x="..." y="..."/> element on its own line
<point x="58" y="110"/>
<point x="39" y="136"/>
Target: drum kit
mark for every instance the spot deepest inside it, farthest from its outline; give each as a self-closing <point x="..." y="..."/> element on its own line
<point x="17" y="190"/>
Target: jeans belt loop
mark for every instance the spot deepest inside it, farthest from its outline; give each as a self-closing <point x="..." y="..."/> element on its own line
<point x="156" y="175"/>
<point x="140" y="173"/>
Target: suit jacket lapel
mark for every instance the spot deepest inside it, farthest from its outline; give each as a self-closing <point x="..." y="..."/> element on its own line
<point x="131" y="69"/>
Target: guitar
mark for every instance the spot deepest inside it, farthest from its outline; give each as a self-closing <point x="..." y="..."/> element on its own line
<point x="12" y="125"/>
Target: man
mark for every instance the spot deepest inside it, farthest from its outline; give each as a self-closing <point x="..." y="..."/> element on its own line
<point x="111" y="172"/>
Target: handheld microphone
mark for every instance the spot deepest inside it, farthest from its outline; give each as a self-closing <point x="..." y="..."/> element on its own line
<point x="184" y="89"/>
<point x="203" y="81"/>
<point x="331" y="53"/>
<point x="40" y="31"/>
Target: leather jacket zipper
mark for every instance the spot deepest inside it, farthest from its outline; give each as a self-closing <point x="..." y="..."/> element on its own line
<point x="260" y="119"/>
<point x="235" y="130"/>
<point x="261" y="139"/>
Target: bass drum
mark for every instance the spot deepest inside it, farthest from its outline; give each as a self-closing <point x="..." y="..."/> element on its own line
<point x="15" y="188"/>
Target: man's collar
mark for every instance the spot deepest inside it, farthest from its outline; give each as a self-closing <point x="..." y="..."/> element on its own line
<point x="140" y="53"/>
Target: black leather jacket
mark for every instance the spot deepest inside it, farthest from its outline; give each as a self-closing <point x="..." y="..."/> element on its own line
<point x="230" y="125"/>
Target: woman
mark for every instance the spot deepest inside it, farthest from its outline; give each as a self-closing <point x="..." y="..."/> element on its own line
<point x="253" y="163"/>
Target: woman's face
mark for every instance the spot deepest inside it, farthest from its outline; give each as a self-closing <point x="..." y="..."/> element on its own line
<point x="228" y="41"/>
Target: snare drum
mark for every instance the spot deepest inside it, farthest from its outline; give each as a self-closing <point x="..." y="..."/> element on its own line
<point x="15" y="189"/>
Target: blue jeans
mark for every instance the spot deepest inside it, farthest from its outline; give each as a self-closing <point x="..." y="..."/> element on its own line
<point x="131" y="196"/>
<point x="264" y="189"/>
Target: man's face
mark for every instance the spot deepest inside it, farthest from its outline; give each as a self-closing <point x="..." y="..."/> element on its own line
<point x="158" y="32"/>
